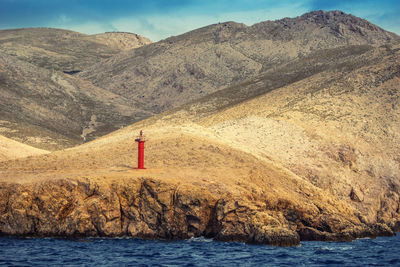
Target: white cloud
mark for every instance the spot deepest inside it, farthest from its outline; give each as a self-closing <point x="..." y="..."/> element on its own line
<point x="63" y="19"/>
<point x="92" y="28"/>
<point x="158" y="27"/>
<point x="89" y="27"/>
<point x="256" y="16"/>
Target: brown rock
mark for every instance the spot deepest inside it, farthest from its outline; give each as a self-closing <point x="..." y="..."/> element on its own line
<point x="150" y="208"/>
<point x="356" y="195"/>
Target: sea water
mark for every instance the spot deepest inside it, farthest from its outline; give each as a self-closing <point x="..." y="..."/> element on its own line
<point x="382" y="251"/>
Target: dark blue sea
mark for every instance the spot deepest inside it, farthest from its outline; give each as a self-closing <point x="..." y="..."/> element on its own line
<point x="382" y="251"/>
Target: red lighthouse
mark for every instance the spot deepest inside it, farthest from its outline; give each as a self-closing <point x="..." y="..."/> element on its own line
<point x="140" y="141"/>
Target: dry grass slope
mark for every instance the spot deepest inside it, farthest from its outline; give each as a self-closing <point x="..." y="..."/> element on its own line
<point x="252" y="196"/>
<point x="10" y="149"/>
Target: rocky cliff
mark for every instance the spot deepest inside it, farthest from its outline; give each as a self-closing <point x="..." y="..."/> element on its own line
<point x="148" y="208"/>
<point x="195" y="185"/>
<point x="259" y="204"/>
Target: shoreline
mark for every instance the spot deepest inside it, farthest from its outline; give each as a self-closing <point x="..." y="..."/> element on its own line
<point x="152" y="209"/>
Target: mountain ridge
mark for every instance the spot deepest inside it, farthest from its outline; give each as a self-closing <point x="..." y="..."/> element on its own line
<point x="202" y="61"/>
<point x="65" y="50"/>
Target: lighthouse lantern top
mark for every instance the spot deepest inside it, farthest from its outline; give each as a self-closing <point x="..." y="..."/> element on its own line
<point x="140" y="138"/>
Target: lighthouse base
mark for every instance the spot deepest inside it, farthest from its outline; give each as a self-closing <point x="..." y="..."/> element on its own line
<point x="139" y="168"/>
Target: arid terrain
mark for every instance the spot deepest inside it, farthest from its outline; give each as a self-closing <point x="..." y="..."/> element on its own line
<point x="54" y="79"/>
<point x="11" y="149"/>
<point x="305" y="147"/>
<point x="183" y="68"/>
<point x="48" y="108"/>
<point x="64" y="50"/>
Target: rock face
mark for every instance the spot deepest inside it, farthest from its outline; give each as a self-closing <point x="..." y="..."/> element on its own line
<point x="148" y="208"/>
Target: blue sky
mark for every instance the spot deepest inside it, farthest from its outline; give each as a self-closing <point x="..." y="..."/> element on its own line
<point x="158" y="19"/>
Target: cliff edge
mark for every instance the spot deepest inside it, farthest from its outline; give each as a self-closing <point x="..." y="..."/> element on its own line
<point x="195" y="186"/>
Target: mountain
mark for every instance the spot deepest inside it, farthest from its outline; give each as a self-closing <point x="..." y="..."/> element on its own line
<point x="52" y="110"/>
<point x="131" y="79"/>
<point x="304" y="151"/>
<point x="179" y="69"/>
<point x="65" y="50"/>
<point x="43" y="105"/>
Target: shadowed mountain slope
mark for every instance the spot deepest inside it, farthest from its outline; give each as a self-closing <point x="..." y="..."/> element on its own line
<point x="182" y="68"/>
<point x="64" y="50"/>
<point x="43" y="107"/>
<point x="53" y="110"/>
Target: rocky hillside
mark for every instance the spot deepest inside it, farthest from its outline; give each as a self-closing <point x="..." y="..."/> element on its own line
<point x="305" y="151"/>
<point x="52" y="110"/>
<point x="46" y="108"/>
<point x="182" y="68"/>
<point x="64" y="50"/>
<point x="338" y="128"/>
<point x="121" y="40"/>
